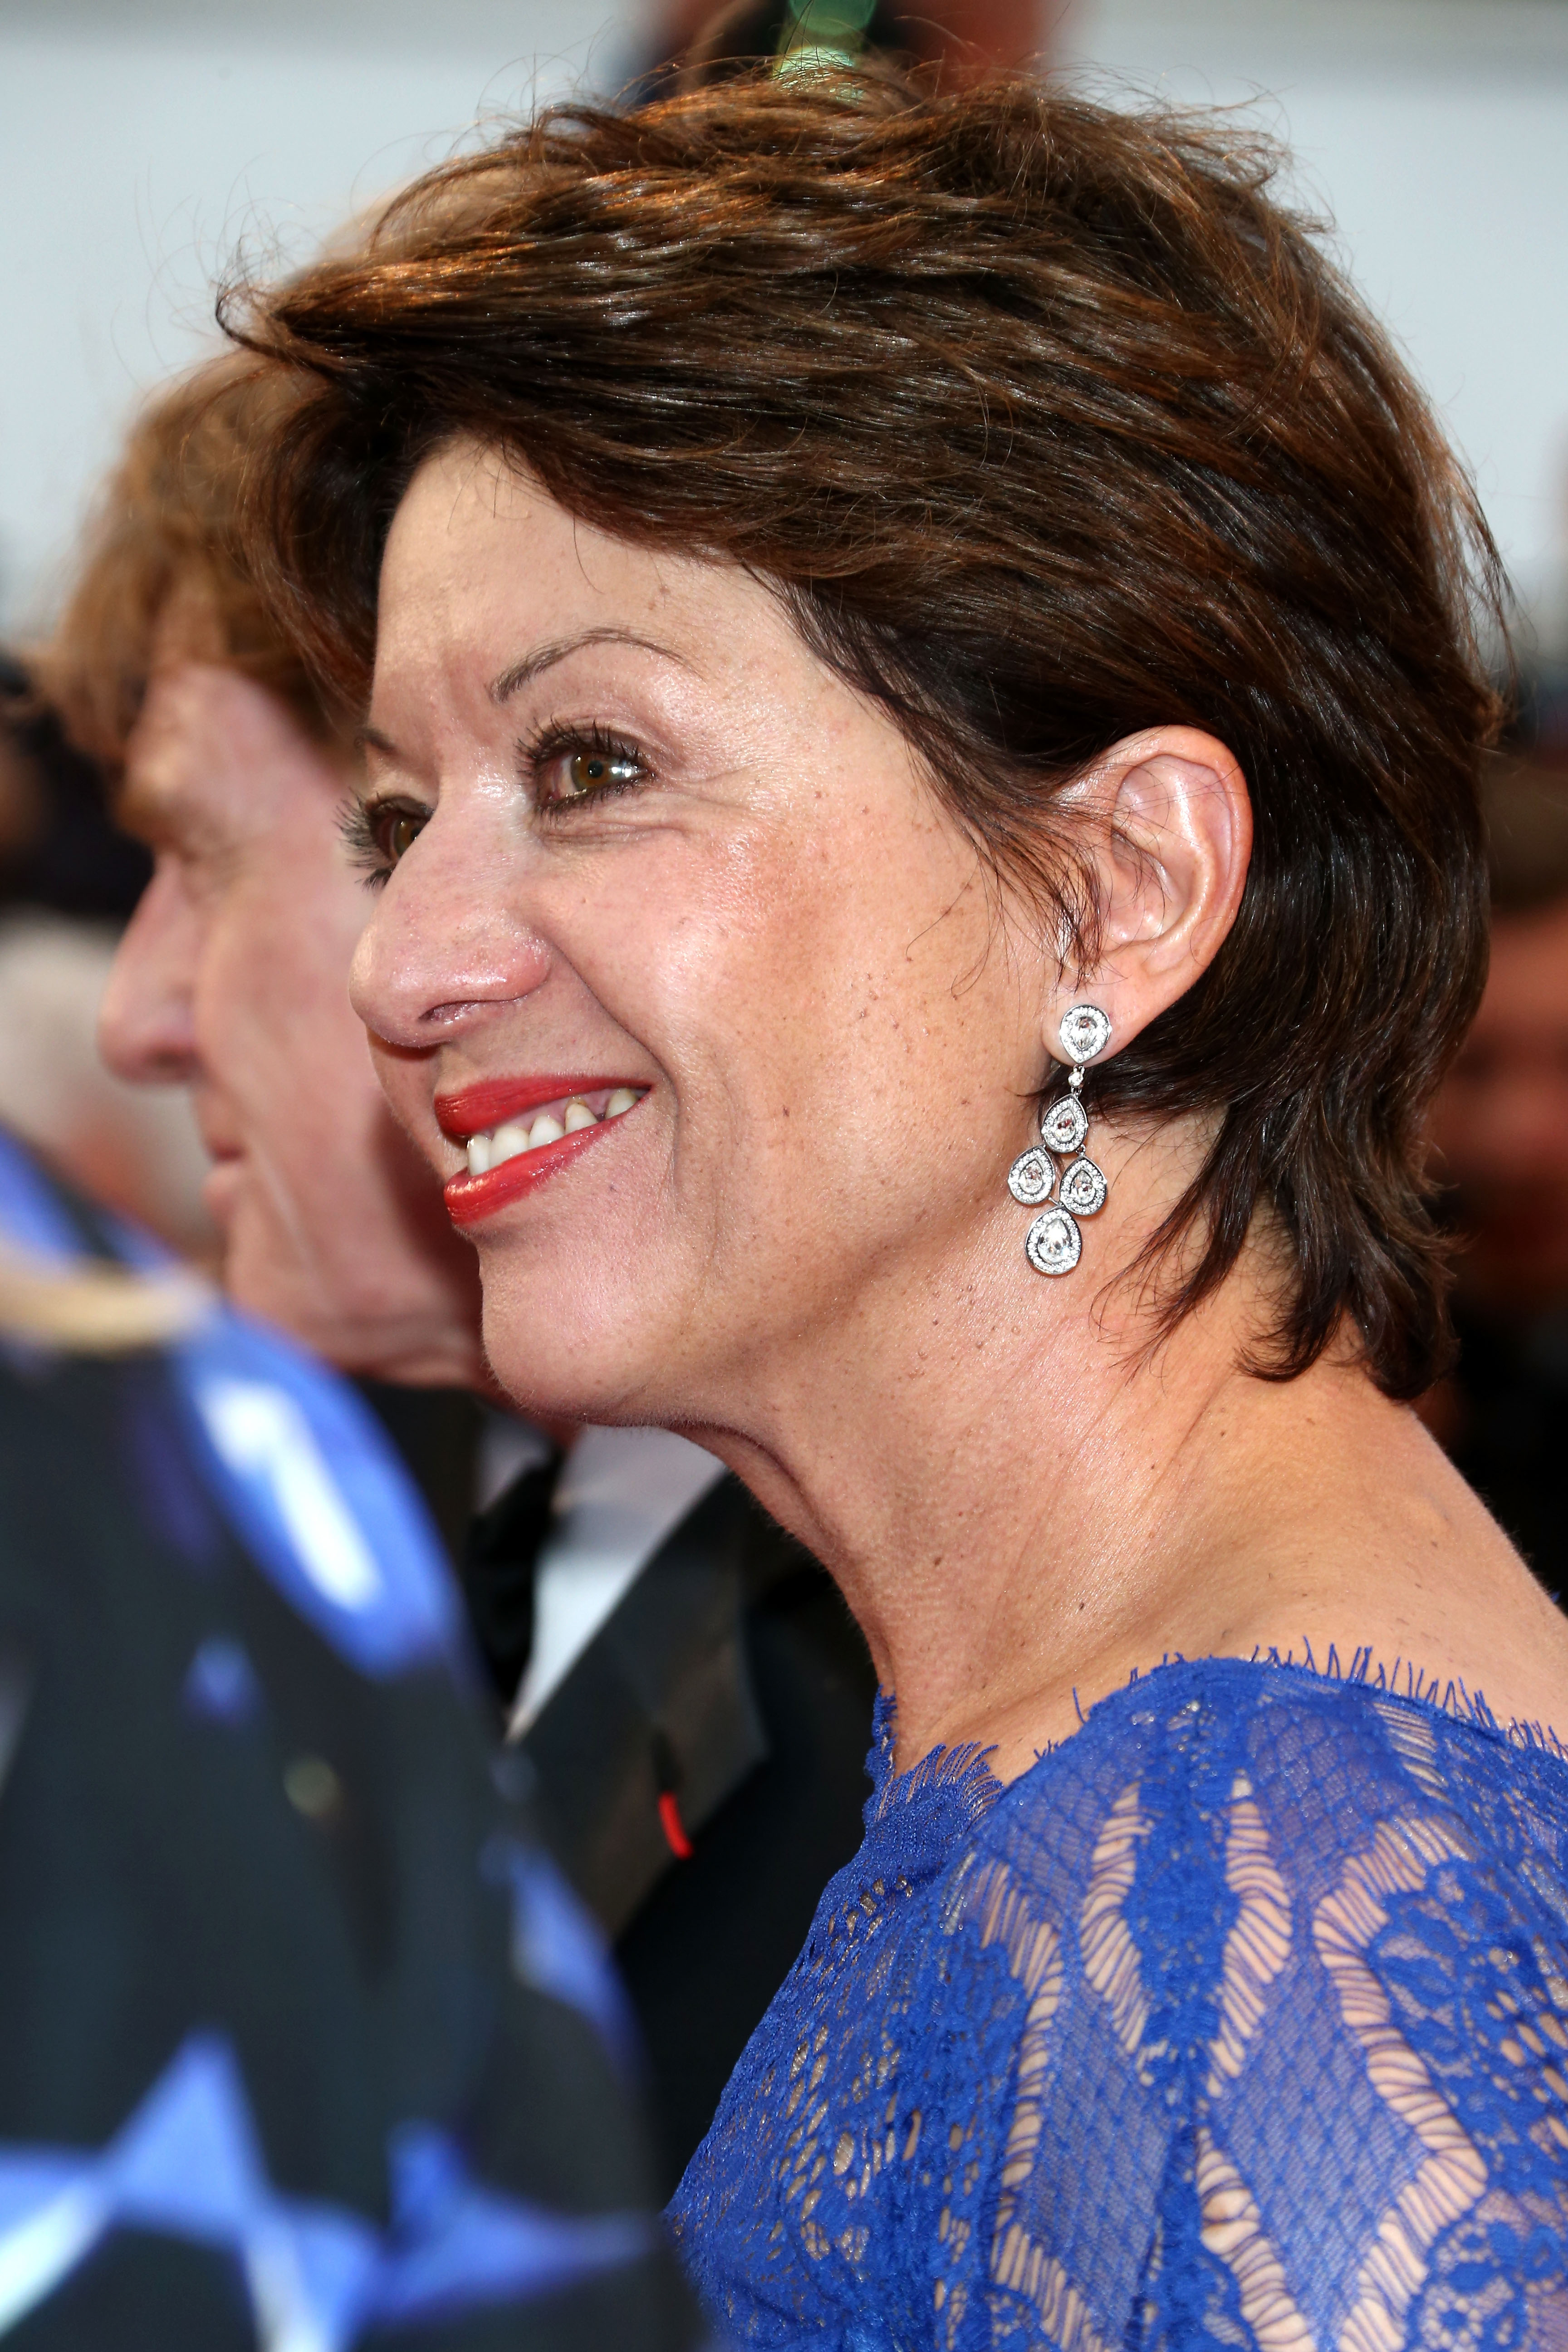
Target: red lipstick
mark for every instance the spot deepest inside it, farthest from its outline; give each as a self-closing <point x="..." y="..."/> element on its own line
<point x="494" y="1102"/>
<point x="474" y="1110"/>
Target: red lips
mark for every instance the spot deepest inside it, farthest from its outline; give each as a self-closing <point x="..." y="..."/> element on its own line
<point x="475" y="1110"/>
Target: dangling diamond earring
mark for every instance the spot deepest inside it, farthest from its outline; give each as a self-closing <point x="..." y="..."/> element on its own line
<point x="1054" y="1244"/>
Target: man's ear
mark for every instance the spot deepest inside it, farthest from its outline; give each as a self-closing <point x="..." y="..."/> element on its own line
<point x="1164" y="822"/>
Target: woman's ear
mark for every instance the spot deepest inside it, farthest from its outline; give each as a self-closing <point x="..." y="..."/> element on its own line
<point x="1164" y="824"/>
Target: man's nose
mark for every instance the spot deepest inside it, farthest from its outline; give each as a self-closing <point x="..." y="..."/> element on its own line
<point x="449" y="936"/>
<point x="146" y="1023"/>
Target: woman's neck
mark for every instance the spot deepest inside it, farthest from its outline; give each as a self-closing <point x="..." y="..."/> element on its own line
<point x="1003" y="1499"/>
<point x="1022" y="1507"/>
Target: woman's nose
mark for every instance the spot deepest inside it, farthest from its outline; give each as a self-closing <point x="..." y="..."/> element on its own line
<point x="448" y="937"/>
<point x="146" y="1023"/>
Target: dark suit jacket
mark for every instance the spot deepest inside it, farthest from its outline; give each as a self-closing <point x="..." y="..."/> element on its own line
<point x="726" y="1706"/>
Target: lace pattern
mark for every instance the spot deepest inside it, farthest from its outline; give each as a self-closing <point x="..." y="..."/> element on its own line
<point x="1240" y="2020"/>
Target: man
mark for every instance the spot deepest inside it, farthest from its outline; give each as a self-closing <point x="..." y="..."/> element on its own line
<point x="1501" y="1131"/>
<point x="68" y="881"/>
<point x="696" y="1702"/>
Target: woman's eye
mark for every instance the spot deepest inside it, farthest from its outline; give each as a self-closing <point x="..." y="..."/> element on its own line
<point x="578" y="775"/>
<point x="396" y="832"/>
<point x="380" y="835"/>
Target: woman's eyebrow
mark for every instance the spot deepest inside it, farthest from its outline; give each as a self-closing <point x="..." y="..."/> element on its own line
<point x="545" y="657"/>
<point x="532" y="665"/>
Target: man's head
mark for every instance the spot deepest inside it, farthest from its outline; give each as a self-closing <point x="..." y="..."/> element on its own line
<point x="1501" y="1124"/>
<point x="232" y="976"/>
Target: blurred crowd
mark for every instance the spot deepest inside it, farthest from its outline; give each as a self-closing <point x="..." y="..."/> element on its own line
<point x="412" y="1809"/>
<point x="1501" y="1153"/>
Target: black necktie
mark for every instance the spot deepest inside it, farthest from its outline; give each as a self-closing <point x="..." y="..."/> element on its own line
<point x="498" y="1566"/>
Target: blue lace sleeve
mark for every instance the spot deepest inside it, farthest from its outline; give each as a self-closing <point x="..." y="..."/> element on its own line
<point x="1241" y="2020"/>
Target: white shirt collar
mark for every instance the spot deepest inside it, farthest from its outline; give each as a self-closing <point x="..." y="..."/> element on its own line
<point x="622" y="1492"/>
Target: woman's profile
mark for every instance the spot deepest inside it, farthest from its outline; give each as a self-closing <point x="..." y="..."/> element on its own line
<point x="925" y="692"/>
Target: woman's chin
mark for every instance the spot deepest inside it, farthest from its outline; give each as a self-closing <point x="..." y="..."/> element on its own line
<point x="574" y="1372"/>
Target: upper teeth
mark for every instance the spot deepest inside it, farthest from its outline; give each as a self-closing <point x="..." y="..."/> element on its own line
<point x="545" y="1126"/>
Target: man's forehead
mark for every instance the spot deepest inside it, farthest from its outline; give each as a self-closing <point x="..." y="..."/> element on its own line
<point x="175" y="774"/>
<point x="214" y="758"/>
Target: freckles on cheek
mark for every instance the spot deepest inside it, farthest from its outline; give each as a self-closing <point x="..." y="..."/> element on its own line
<point x="772" y="966"/>
<point x="689" y="934"/>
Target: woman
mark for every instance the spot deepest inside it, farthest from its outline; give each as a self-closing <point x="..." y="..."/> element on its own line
<point x="923" y="747"/>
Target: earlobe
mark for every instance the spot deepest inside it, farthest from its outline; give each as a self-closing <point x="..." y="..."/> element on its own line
<point x="1168" y="835"/>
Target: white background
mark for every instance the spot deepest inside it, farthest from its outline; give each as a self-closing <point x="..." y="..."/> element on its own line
<point x="141" y="140"/>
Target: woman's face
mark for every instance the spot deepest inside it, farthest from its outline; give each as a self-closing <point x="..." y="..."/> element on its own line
<point x="644" y="849"/>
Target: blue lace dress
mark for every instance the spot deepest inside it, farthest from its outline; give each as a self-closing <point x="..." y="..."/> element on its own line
<point x="1240" y="2020"/>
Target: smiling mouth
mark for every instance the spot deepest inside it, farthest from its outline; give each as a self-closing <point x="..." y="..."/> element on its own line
<point x="516" y="1134"/>
<point x="573" y="1115"/>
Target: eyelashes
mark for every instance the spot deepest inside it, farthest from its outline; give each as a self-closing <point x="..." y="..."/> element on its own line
<point x="568" y="765"/>
<point x="563" y="768"/>
<point x="378" y="833"/>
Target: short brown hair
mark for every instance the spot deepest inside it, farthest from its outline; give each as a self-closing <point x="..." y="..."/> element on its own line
<point x="167" y="527"/>
<point x="1049" y="427"/>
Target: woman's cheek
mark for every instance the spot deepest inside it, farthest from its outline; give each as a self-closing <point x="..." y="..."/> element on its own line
<point x="408" y="1086"/>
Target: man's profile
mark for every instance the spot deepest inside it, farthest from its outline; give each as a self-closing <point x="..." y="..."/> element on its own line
<point x="684" y="1681"/>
